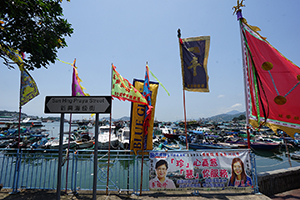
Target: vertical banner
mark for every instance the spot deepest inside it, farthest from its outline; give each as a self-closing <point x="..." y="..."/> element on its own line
<point x="195" y="170"/>
<point x="194" y="56"/>
<point x="138" y="117"/>
<point x="28" y="89"/>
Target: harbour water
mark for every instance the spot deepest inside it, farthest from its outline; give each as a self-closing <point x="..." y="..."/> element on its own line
<point x="265" y="160"/>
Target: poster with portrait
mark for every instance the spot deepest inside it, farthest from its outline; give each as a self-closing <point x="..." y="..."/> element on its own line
<point x="199" y="169"/>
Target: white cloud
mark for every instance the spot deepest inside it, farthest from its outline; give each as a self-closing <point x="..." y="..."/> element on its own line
<point x="237" y="105"/>
<point x="221" y="96"/>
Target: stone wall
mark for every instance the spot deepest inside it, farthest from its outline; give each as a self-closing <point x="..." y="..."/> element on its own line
<point x="277" y="181"/>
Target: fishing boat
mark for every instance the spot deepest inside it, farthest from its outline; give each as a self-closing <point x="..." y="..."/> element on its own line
<point x="103" y="137"/>
<point x="169" y="145"/>
<point x="54" y="142"/>
<point x="26" y="122"/>
<point x="264" y="145"/>
<point x="123" y="135"/>
<point x="168" y="132"/>
<point x="84" y="144"/>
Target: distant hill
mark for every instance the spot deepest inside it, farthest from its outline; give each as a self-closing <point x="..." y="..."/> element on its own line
<point x="120" y="119"/>
<point x="233" y="112"/>
<point x="217" y="118"/>
<point x="226" y="117"/>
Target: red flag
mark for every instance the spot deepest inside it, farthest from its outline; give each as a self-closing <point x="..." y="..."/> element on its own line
<point x="272" y="83"/>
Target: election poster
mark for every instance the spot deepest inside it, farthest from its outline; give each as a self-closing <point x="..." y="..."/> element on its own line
<point x="200" y="169"/>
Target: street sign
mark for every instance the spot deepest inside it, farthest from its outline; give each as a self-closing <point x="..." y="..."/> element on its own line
<point x="78" y="104"/>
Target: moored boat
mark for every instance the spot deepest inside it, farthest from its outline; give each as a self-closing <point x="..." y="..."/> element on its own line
<point x="103" y="137"/>
<point x="123" y="135"/>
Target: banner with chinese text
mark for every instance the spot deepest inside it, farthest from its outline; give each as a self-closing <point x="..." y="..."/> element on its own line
<point x="195" y="170"/>
<point x="194" y="56"/>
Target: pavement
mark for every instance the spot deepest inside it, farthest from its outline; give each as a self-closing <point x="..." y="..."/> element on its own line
<point x="27" y="194"/>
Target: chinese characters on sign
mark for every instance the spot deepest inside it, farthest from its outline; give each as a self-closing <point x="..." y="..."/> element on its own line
<point x="80" y="104"/>
<point x="189" y="170"/>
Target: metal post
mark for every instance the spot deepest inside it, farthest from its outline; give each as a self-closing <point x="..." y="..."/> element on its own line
<point x="95" y="157"/>
<point x="61" y="133"/>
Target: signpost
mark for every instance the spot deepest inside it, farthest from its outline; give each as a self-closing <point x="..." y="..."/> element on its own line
<point x="77" y="104"/>
<point x="80" y="104"/>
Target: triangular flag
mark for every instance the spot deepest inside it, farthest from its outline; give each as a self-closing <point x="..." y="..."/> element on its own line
<point x="123" y="90"/>
<point x="273" y="84"/>
<point x="77" y="89"/>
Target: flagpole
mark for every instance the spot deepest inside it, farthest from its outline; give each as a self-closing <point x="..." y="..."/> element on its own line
<point x="67" y="170"/>
<point x="109" y="139"/>
<point x="239" y="17"/>
<point x="186" y="138"/>
<point x="184" y="109"/>
<point x="143" y="140"/>
<point x="19" y="127"/>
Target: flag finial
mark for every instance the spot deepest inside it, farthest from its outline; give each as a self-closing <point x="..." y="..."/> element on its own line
<point x="237" y="8"/>
<point x="178" y="33"/>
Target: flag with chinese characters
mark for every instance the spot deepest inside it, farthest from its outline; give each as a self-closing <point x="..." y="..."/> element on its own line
<point x="194" y="55"/>
<point x="77" y="89"/>
<point x="28" y="88"/>
<point x="200" y="169"/>
<point x="273" y="83"/>
<point x="123" y="90"/>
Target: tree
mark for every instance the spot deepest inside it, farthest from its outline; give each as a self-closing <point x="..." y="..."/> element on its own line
<point x="35" y="28"/>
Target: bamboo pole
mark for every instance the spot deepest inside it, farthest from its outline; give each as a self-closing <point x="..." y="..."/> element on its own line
<point x="67" y="170"/>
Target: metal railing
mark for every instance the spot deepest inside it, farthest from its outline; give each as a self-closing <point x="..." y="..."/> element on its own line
<point x="37" y="169"/>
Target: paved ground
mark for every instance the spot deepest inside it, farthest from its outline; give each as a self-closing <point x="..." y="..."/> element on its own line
<point x="149" y="195"/>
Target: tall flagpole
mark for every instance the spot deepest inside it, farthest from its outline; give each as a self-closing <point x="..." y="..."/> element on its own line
<point x="186" y="138"/>
<point x="20" y="111"/>
<point x="184" y="109"/>
<point x="67" y="170"/>
<point x="109" y="137"/>
<point x="239" y="17"/>
<point x="143" y="141"/>
<point x="67" y="154"/>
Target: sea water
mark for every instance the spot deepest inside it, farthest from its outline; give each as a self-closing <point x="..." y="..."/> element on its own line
<point x="265" y="160"/>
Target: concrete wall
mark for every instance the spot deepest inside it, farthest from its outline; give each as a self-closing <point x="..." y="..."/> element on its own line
<point x="273" y="182"/>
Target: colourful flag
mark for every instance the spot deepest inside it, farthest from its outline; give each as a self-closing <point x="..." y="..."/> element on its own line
<point x="123" y="90"/>
<point x="272" y="83"/>
<point x="77" y="89"/>
<point x="13" y="54"/>
<point x="138" y="113"/>
<point x="147" y="95"/>
<point x="28" y="88"/>
<point x="194" y="56"/>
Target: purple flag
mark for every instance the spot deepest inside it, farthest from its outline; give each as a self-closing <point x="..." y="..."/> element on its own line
<point x="77" y="90"/>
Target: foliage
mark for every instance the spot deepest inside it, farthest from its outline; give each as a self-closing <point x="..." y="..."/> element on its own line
<point x="35" y="28"/>
<point x="241" y="117"/>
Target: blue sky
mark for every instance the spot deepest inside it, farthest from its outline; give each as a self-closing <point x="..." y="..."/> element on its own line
<point x="132" y="32"/>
